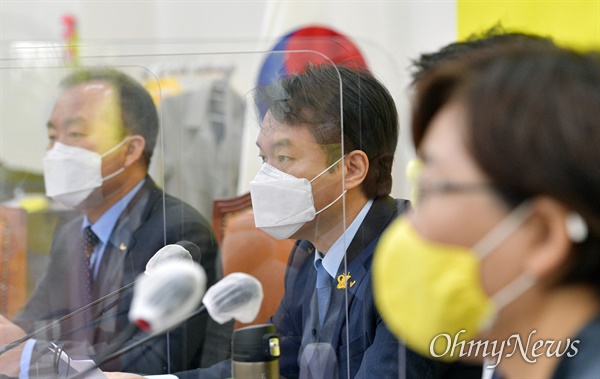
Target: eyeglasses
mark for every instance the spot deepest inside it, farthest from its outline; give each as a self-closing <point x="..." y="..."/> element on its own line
<point x="425" y="189"/>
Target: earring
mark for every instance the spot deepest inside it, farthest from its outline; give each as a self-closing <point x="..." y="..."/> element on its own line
<point x="576" y="227"/>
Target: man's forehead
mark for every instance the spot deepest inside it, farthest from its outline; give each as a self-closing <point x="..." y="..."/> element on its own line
<point x="90" y="95"/>
<point x="282" y="134"/>
<point x="285" y="136"/>
<point x="93" y="88"/>
<point x="86" y="105"/>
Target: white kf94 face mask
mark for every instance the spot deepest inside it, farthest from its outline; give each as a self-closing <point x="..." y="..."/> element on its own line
<point x="72" y="173"/>
<point x="283" y="203"/>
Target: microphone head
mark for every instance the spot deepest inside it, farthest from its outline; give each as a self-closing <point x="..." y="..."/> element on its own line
<point x="167" y="297"/>
<point x="237" y="296"/>
<point x="168" y="253"/>
<point x="192" y="248"/>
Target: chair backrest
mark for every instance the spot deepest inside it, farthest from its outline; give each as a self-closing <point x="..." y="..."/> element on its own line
<point x="245" y="248"/>
<point x="13" y="260"/>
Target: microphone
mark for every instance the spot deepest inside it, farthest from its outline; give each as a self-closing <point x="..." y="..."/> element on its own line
<point x="237" y="296"/>
<point x="168" y="296"/>
<point x="182" y="250"/>
<point x="192" y="248"/>
<point x="161" y="301"/>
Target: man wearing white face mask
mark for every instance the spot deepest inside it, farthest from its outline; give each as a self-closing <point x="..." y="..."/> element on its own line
<point x="102" y="132"/>
<point x="72" y="173"/>
<point x="335" y="201"/>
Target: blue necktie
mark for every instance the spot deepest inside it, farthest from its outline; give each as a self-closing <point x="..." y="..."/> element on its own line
<point x="323" y="290"/>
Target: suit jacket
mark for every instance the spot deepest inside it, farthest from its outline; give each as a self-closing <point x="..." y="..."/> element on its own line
<point x="586" y="361"/>
<point x="151" y="220"/>
<point x="362" y="343"/>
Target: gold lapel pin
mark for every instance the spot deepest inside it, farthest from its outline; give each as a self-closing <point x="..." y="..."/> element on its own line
<point x="342" y="280"/>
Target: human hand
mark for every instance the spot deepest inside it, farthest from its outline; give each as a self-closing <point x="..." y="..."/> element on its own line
<point x="10" y="361"/>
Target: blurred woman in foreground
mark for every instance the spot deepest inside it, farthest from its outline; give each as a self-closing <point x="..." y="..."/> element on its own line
<point x="500" y="258"/>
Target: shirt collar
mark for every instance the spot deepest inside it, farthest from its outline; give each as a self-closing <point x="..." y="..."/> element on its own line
<point x="335" y="255"/>
<point x="106" y="223"/>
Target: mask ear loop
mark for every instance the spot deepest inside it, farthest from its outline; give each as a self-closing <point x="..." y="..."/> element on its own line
<point x="506" y="227"/>
<point x="113" y="174"/>
<point x="327" y="169"/>
<point x="324" y="171"/>
<point x="117" y="146"/>
<point x="513" y="290"/>
<point x="486" y="245"/>
<point x="577" y="231"/>
<point x="333" y="202"/>
<point x="112" y="150"/>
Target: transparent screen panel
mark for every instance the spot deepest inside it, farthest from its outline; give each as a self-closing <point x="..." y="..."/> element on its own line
<point x="76" y="146"/>
<point x="308" y="180"/>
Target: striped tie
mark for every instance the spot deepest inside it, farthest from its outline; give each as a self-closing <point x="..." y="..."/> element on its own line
<point x="90" y="239"/>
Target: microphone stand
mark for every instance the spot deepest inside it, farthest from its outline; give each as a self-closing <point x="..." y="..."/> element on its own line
<point x="110" y="356"/>
<point x="53" y="324"/>
<point x="94" y="323"/>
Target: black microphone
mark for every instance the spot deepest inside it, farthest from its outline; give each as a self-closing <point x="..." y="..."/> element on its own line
<point x="182" y="250"/>
<point x="161" y="302"/>
<point x="237" y="296"/>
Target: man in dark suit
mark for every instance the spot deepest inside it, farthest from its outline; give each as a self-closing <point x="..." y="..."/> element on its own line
<point x="332" y="197"/>
<point x="301" y="136"/>
<point x="102" y="132"/>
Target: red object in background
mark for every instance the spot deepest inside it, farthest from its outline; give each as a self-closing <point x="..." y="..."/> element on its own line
<point x="71" y="39"/>
<point x="70" y="24"/>
<point x="334" y="46"/>
<point x="315" y="44"/>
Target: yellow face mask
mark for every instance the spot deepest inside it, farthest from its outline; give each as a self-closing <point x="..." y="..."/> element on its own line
<point x="425" y="290"/>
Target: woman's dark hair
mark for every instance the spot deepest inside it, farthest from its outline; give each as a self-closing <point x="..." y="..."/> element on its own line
<point x="533" y="127"/>
<point x="492" y="38"/>
<point x="370" y="118"/>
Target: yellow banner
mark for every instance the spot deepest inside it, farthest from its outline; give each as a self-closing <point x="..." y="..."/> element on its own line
<point x="569" y="23"/>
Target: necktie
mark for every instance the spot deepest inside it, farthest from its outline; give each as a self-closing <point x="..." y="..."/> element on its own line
<point x="90" y="239"/>
<point x="323" y="290"/>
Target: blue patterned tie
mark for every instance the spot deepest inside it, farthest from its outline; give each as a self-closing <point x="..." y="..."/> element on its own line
<point x="90" y="239"/>
<point x="323" y="290"/>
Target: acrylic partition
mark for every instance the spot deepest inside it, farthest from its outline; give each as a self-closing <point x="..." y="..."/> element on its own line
<point x="80" y="145"/>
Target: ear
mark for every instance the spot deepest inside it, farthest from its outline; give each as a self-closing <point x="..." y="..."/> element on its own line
<point x="356" y="166"/>
<point x="550" y="244"/>
<point x="135" y="149"/>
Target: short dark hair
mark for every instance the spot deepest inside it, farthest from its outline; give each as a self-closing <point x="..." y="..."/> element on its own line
<point x="496" y="36"/>
<point x="370" y="118"/>
<point x="138" y="111"/>
<point x="532" y="127"/>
